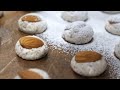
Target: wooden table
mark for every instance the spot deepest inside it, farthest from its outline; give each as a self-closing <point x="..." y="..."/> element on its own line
<point x="56" y="63"/>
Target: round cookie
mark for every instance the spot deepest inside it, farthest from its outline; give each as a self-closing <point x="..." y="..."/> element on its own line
<point x="72" y="16"/>
<point x="32" y="24"/>
<point x="113" y="25"/>
<point x="33" y="73"/>
<point x="31" y="48"/>
<point x="78" y="33"/>
<point x="88" y="63"/>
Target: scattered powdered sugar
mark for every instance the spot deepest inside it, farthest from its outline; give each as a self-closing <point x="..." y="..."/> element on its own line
<point x="103" y="42"/>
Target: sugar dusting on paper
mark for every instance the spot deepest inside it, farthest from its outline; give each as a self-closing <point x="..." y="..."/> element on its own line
<point x="103" y="41"/>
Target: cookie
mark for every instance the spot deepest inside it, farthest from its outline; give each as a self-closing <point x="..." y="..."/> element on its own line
<point x="31" y="48"/>
<point x="32" y="24"/>
<point x="72" y="16"/>
<point x="88" y="63"/>
<point x="78" y="33"/>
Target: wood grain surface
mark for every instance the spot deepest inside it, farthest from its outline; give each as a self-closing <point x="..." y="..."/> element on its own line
<point x="56" y="63"/>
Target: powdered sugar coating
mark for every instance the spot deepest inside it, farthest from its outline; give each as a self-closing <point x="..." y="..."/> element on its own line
<point x="42" y="73"/>
<point x="31" y="54"/>
<point x="78" y="32"/>
<point x="89" y="68"/>
<point x="72" y="16"/>
<point x="32" y="27"/>
<point x="113" y="25"/>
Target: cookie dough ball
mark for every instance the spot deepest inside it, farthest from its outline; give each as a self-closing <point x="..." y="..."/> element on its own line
<point x="88" y="63"/>
<point x="78" y="33"/>
<point x="1" y="13"/>
<point x="112" y="12"/>
<point x="31" y="48"/>
<point x="72" y="16"/>
<point x="113" y="25"/>
<point x="32" y="24"/>
<point x="33" y="73"/>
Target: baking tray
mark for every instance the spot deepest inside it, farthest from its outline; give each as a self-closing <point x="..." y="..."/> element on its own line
<point x="57" y="62"/>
